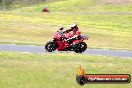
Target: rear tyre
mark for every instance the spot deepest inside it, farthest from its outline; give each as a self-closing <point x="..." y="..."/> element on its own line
<point x="80" y="47"/>
<point x="51" y="46"/>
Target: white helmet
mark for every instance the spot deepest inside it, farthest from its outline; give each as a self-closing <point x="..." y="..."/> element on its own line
<point x="74" y="25"/>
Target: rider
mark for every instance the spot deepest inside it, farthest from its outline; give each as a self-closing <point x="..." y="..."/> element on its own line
<point x="74" y="33"/>
<point x="71" y="34"/>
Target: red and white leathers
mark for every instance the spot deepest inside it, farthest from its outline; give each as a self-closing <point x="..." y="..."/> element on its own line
<point x="74" y="33"/>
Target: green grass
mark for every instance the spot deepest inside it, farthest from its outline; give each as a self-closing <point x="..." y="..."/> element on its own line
<point x="25" y="70"/>
<point x="75" y="6"/>
<point x="28" y="25"/>
<point x="82" y="6"/>
<point x="38" y="28"/>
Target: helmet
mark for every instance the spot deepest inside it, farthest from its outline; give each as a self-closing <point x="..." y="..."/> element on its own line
<point x="74" y="26"/>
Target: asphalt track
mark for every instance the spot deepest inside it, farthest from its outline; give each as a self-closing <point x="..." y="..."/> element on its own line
<point x="41" y="49"/>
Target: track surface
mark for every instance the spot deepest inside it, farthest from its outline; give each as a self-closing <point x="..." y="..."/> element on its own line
<point x="41" y="49"/>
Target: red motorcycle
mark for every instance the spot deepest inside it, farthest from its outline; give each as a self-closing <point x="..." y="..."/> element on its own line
<point x="62" y="42"/>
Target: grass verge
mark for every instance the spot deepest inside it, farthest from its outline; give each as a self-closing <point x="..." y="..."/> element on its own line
<point x="57" y="70"/>
<point x="105" y="31"/>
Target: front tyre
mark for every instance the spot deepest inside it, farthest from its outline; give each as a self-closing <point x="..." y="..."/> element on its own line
<point x="80" y="47"/>
<point x="51" y="46"/>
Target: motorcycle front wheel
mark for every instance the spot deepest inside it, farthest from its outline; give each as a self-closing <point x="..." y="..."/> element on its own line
<point x="80" y="47"/>
<point x="51" y="46"/>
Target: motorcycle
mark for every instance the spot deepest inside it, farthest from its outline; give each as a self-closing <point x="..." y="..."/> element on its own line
<point x="62" y="42"/>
